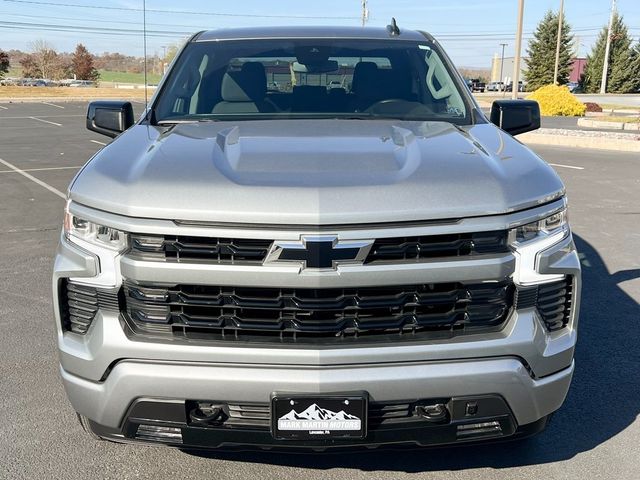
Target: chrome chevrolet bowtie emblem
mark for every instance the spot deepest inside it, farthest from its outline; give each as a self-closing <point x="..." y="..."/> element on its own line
<point x="322" y="251"/>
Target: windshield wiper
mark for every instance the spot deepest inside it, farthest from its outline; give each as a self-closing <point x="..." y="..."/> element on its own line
<point x="176" y="121"/>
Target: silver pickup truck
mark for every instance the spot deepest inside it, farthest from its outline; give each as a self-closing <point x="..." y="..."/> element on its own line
<point x="306" y="266"/>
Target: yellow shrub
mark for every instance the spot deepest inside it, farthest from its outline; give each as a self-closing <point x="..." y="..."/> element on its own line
<point x="557" y="100"/>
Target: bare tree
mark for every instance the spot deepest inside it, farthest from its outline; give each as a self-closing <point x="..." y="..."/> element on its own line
<point x="45" y="58"/>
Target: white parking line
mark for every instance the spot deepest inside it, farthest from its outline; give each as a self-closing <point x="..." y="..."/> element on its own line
<point x="40" y="116"/>
<point x="566" y="166"/>
<point x="3" y="108"/>
<point x="52" y="104"/>
<point x="34" y="179"/>
<point x="46" y="121"/>
<point x="40" y="169"/>
<point x="99" y="143"/>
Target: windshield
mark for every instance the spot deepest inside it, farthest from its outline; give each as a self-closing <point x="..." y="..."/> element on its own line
<point x="303" y="78"/>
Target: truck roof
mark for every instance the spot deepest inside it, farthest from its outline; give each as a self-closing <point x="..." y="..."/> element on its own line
<point x="246" y="33"/>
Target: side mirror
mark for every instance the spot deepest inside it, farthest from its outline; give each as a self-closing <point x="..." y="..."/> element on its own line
<point x="516" y="116"/>
<point x="109" y="118"/>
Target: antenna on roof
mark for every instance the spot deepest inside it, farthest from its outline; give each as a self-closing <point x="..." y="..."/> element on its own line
<point x="144" y="43"/>
<point x="393" y="28"/>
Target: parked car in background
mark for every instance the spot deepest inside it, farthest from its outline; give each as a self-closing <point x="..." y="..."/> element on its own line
<point x="509" y="87"/>
<point x="10" y="81"/>
<point x="495" y="87"/>
<point x="477" y="85"/>
<point x="82" y="83"/>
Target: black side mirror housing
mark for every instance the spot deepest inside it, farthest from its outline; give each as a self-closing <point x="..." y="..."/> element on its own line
<point x="516" y="116"/>
<point x="109" y="118"/>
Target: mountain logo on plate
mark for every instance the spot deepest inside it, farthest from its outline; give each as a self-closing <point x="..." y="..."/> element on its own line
<point x="317" y="418"/>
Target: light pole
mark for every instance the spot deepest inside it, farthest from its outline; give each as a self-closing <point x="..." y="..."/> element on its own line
<point x="555" y="70"/>
<point x="503" y="87"/>
<point x="365" y="12"/>
<point x="516" y="60"/>
<point x="605" y="64"/>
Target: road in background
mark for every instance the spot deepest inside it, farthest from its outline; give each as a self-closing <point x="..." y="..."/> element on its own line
<point x="594" y="435"/>
<point x="628" y="100"/>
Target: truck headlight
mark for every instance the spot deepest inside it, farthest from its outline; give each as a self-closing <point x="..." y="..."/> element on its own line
<point x="93" y="233"/>
<point x="542" y="229"/>
<point x="527" y="241"/>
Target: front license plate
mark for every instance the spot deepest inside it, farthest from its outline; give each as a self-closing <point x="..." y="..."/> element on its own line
<point x="316" y="418"/>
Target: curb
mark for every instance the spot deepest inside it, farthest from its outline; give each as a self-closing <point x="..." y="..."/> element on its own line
<point x="582" y="141"/>
<point x="628" y="126"/>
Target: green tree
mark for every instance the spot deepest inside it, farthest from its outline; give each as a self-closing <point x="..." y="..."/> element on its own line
<point x="623" y="75"/>
<point x="542" y="53"/>
<point x="82" y="64"/>
<point x="4" y="63"/>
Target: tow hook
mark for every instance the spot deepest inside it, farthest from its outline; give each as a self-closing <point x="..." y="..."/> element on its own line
<point x="207" y="415"/>
<point x="436" y="413"/>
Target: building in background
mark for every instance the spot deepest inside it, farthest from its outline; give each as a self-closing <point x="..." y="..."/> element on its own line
<point x="507" y="68"/>
<point x="577" y="68"/>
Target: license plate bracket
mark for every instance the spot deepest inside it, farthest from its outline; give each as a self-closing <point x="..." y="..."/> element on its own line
<point x="319" y="417"/>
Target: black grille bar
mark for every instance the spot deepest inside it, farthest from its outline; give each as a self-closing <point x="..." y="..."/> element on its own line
<point x="285" y="314"/>
<point x="200" y="249"/>
<point x="254" y="251"/>
<point x="433" y="246"/>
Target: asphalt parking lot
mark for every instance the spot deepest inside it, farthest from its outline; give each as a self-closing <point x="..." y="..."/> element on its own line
<point x="596" y="434"/>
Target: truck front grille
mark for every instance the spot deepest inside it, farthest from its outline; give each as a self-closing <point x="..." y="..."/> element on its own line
<point x="200" y="249"/>
<point x="434" y="246"/>
<point x="238" y="251"/>
<point x="332" y="314"/>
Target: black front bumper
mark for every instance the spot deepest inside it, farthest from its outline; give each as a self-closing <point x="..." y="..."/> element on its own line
<point x="168" y="422"/>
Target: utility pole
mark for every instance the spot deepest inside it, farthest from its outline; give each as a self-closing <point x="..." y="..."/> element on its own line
<point x="555" y="70"/>
<point x="605" y="65"/>
<point x="365" y="12"/>
<point x="516" y="60"/>
<point x="503" y="88"/>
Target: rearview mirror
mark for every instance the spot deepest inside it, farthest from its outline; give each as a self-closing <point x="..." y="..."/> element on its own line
<point x="320" y="67"/>
<point x="516" y="116"/>
<point x="109" y="118"/>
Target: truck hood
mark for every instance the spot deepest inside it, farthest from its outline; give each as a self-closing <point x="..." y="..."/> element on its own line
<point x="314" y="172"/>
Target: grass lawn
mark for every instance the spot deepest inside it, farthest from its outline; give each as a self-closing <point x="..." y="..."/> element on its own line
<point x="14" y="72"/>
<point x="613" y="106"/>
<point x="125" y="77"/>
<point x="619" y="118"/>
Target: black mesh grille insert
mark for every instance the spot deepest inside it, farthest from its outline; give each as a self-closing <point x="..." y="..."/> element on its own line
<point x="254" y="251"/>
<point x="80" y="303"/>
<point x="552" y="300"/>
<point x="268" y="314"/>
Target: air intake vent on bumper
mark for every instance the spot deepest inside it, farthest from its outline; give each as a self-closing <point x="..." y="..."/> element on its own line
<point x="80" y="303"/>
<point x="552" y="300"/>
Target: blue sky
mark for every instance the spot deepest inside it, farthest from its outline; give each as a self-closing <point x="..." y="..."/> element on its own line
<point x="470" y="30"/>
